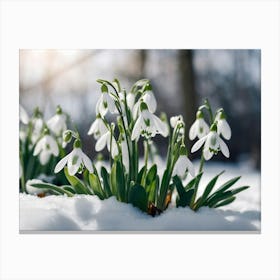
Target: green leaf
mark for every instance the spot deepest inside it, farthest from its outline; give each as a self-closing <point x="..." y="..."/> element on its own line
<point x="228" y="184"/>
<point x="76" y="183"/>
<point x="152" y="190"/>
<point x="207" y="191"/>
<point x="163" y="189"/>
<point x="118" y="181"/>
<point x="94" y="183"/>
<point x="138" y="197"/>
<point x="140" y="175"/>
<point x="192" y="182"/>
<point x="151" y="175"/>
<point x="217" y="198"/>
<point x="69" y="189"/>
<point x="238" y="190"/>
<point x="225" y="202"/>
<point x="52" y="188"/>
<point x="184" y="197"/>
<point x="113" y="179"/>
<point x="105" y="177"/>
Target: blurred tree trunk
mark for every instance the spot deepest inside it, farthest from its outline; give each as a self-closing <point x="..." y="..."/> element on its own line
<point x="142" y="62"/>
<point x="187" y="88"/>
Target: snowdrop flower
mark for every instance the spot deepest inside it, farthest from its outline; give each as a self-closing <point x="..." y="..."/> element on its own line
<point x="75" y="160"/>
<point x="182" y="165"/>
<point x="148" y="125"/>
<point x="148" y="98"/>
<point x="57" y="124"/>
<point x="46" y="147"/>
<point x="107" y="139"/>
<point x="213" y="144"/>
<point x="199" y="128"/>
<point x="223" y="127"/>
<point x="125" y="156"/>
<point x="37" y="125"/>
<point x="130" y="100"/>
<point x="176" y="120"/>
<point x="23" y="116"/>
<point x="105" y="102"/>
<point x="98" y="127"/>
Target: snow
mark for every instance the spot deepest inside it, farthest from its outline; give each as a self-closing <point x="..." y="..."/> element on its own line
<point x="83" y="212"/>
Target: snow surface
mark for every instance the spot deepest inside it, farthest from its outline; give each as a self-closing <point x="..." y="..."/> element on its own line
<point x="83" y="212"/>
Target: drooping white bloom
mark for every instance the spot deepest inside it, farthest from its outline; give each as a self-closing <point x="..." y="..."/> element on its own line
<point x="98" y="128"/>
<point x="125" y="156"/>
<point x="199" y="128"/>
<point x="223" y="127"/>
<point x="75" y="160"/>
<point x="46" y="147"/>
<point x="23" y="116"/>
<point x="148" y="124"/>
<point x="213" y="143"/>
<point x="130" y="100"/>
<point x="57" y="124"/>
<point x="37" y="124"/>
<point x="105" y="103"/>
<point x="148" y="98"/>
<point x="107" y="139"/>
<point x="182" y="164"/>
<point x="175" y="120"/>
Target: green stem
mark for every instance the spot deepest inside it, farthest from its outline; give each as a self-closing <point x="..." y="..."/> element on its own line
<point x="22" y="179"/>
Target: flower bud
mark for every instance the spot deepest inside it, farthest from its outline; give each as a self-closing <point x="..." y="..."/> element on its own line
<point x="67" y="136"/>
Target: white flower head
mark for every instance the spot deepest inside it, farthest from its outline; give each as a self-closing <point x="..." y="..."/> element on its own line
<point x="199" y="128"/>
<point x="57" y="124"/>
<point x="23" y="116"/>
<point x="75" y="160"/>
<point x="107" y="139"/>
<point x="176" y="120"/>
<point x="148" y="98"/>
<point x="223" y="127"/>
<point x="148" y="124"/>
<point x="98" y="127"/>
<point x="46" y="147"/>
<point x="105" y="103"/>
<point x="213" y="143"/>
<point x="37" y="125"/>
<point x="125" y="156"/>
<point x="183" y="164"/>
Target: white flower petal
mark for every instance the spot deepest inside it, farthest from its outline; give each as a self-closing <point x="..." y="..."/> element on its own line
<point x="44" y="157"/>
<point x="180" y="167"/>
<point x="198" y="144"/>
<point x="23" y="116"/>
<point x="207" y="154"/>
<point x="74" y="161"/>
<point x="202" y="128"/>
<point x="93" y="127"/>
<point x="39" y="147"/>
<point x="87" y="162"/>
<point x="53" y="145"/>
<point x="125" y="157"/>
<point x="130" y="99"/>
<point x="224" y="129"/>
<point x="223" y="147"/>
<point x="101" y="142"/>
<point x="150" y="100"/>
<point x="161" y="126"/>
<point x="190" y="167"/>
<point x="137" y="128"/>
<point x="61" y="164"/>
<point x="193" y="131"/>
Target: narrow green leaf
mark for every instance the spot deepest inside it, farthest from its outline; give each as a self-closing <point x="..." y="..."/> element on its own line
<point x="225" y="202"/>
<point x="105" y="177"/>
<point x="52" y="187"/>
<point x="217" y="198"/>
<point x="151" y="175"/>
<point x="193" y="181"/>
<point x="140" y="175"/>
<point x="207" y="191"/>
<point x="163" y="189"/>
<point x="152" y="190"/>
<point x="76" y="183"/>
<point x="138" y="197"/>
<point x="184" y="197"/>
<point x="96" y="186"/>
<point x="238" y="190"/>
<point x="228" y="184"/>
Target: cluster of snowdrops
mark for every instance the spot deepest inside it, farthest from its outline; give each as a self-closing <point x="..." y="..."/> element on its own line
<point x="47" y="166"/>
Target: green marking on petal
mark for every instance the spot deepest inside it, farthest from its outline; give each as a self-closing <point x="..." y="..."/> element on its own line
<point x="75" y="159"/>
